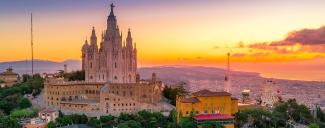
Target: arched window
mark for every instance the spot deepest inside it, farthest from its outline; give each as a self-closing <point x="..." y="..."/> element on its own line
<point x="91" y="65"/>
<point x="115" y="65"/>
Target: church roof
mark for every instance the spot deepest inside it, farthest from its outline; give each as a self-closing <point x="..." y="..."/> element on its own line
<point x="206" y="92"/>
<point x="190" y="100"/>
<point x="8" y="72"/>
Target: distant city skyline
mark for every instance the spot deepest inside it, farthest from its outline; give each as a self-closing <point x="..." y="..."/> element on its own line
<point x="259" y="34"/>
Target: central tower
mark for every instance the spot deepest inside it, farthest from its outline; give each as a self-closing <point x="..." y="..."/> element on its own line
<point x="113" y="61"/>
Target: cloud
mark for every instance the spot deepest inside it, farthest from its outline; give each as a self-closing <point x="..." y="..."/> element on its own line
<point x="256" y="54"/>
<point x="304" y="37"/>
<point x="304" y="40"/>
<point x="239" y="55"/>
<point x="240" y="45"/>
<point x="216" y="47"/>
<point x="267" y="47"/>
<point x="319" y="57"/>
<point x="199" y="57"/>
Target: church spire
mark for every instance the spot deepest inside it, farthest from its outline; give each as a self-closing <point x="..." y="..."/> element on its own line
<point x="112" y="10"/>
<point x="129" y="34"/>
<point x="93" y="37"/>
<point x="93" y="33"/>
<point x="129" y="40"/>
<point x="111" y="24"/>
<point x="86" y="41"/>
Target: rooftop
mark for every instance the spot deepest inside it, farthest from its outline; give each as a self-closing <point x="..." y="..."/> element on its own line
<point x="47" y="111"/>
<point x="206" y="92"/>
<point x="9" y="71"/>
<point x="190" y="100"/>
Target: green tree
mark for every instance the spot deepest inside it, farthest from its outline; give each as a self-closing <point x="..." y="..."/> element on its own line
<point x="171" y="93"/>
<point x="24" y="103"/>
<point x="78" y="119"/>
<point x="6" y="106"/>
<point x="93" y="122"/>
<point x="61" y="113"/>
<point x="211" y="124"/>
<point x="172" y="119"/>
<point x="130" y="124"/>
<point x="313" y="125"/>
<point x="75" y="75"/>
<point x="125" y="117"/>
<point x="320" y="115"/>
<point x="65" y="120"/>
<point x="51" y="124"/>
<point x="107" y="121"/>
<point x="123" y="125"/>
<point x="22" y="113"/>
<point x="8" y="122"/>
<point x="187" y="122"/>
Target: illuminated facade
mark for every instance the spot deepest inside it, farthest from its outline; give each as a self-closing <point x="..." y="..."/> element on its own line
<point x="103" y="98"/>
<point x="208" y="105"/>
<point x="113" y="61"/>
<point x="111" y="84"/>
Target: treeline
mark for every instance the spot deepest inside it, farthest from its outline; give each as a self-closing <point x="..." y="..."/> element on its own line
<point x="282" y="114"/>
<point x="72" y="76"/>
<point x="12" y="97"/>
<point x="171" y="92"/>
<point x="142" y="119"/>
<point x="13" y="104"/>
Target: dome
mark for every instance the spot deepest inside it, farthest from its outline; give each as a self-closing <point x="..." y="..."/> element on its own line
<point x="85" y="46"/>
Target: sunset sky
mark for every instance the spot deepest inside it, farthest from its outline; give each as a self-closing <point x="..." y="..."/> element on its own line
<point x="283" y="39"/>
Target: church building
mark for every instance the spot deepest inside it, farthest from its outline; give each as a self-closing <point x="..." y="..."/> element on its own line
<point x="114" y="60"/>
<point x="112" y="85"/>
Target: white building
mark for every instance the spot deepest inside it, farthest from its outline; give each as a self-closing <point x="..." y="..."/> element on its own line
<point x="48" y="115"/>
<point x="269" y="95"/>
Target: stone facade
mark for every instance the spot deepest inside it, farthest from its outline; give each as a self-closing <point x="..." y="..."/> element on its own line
<point x="112" y="61"/>
<point x="111" y="84"/>
<point x="100" y="97"/>
<point x="128" y="98"/>
<point x="8" y="77"/>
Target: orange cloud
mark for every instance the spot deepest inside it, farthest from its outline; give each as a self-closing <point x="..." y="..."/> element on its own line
<point x="301" y="44"/>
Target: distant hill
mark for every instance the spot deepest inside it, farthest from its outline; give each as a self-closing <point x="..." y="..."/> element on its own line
<point x="40" y="66"/>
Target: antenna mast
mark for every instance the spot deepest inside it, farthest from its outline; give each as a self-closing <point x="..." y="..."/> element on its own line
<point x="227" y="77"/>
<point x="31" y="41"/>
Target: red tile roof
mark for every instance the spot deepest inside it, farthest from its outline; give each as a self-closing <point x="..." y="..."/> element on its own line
<point x="212" y="117"/>
<point x="190" y="100"/>
<point x="234" y="98"/>
<point x="210" y="93"/>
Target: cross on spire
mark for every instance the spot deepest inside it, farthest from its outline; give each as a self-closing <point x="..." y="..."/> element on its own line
<point x="112" y="7"/>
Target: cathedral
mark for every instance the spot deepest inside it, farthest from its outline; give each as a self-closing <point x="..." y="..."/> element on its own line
<point x="115" y="60"/>
<point x="112" y="85"/>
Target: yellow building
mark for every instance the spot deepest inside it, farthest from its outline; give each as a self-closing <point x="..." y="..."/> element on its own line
<point x="208" y="105"/>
